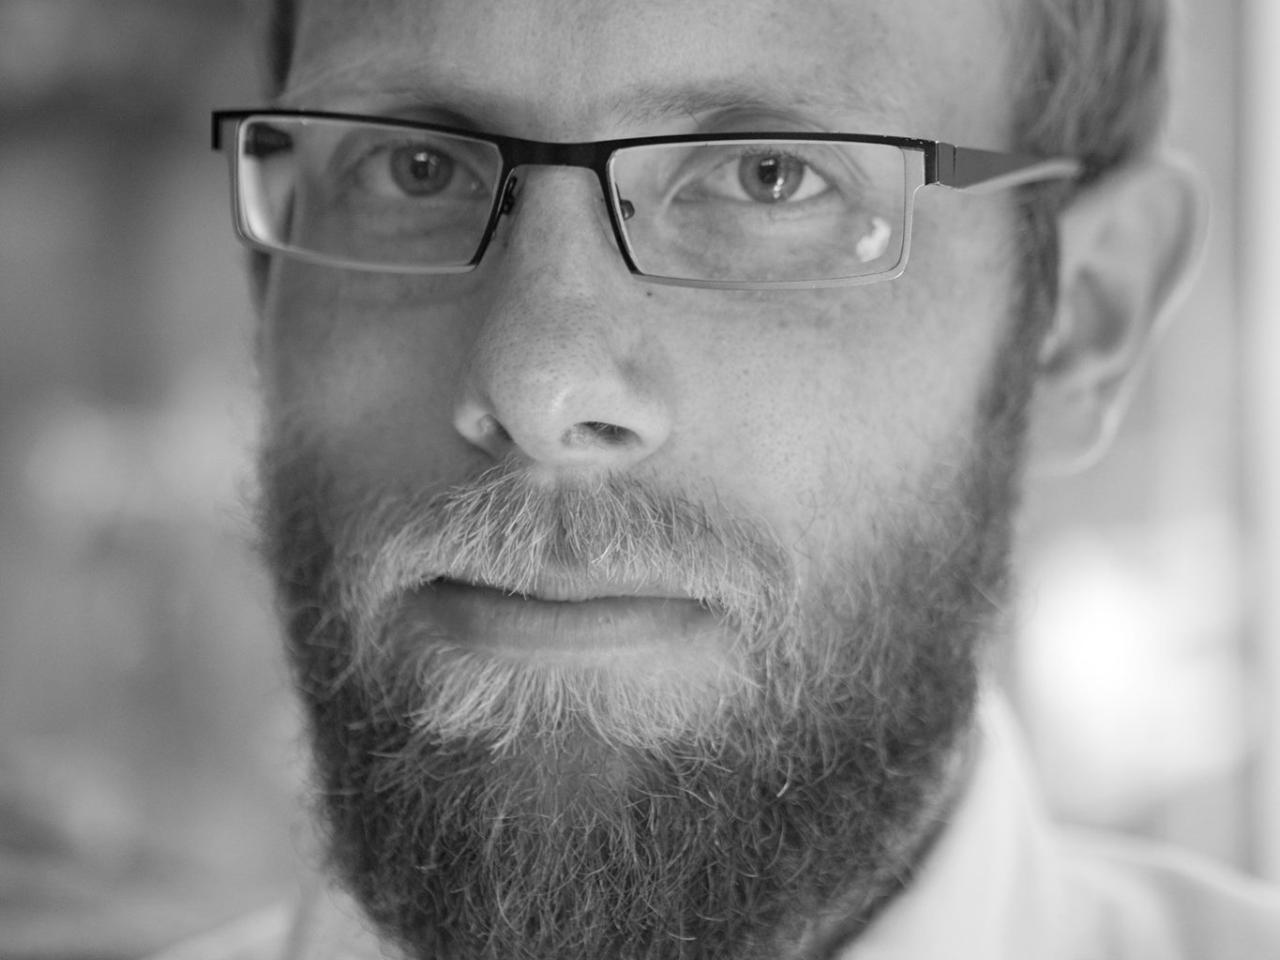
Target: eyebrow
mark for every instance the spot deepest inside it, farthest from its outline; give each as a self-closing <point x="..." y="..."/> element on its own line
<point x="411" y="88"/>
<point x="654" y="103"/>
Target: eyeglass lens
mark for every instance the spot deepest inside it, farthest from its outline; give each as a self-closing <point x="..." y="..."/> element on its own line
<point x="751" y="211"/>
<point x="379" y="196"/>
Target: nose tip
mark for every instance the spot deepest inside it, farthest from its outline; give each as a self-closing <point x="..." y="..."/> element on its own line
<point x="578" y="424"/>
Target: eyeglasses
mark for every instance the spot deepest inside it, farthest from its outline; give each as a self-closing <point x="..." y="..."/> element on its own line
<point x="729" y="210"/>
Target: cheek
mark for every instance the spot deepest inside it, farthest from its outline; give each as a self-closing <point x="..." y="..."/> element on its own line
<point x="362" y="365"/>
<point x="838" y="409"/>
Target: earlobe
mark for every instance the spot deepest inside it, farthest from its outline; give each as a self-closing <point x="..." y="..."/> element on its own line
<point x="1128" y="245"/>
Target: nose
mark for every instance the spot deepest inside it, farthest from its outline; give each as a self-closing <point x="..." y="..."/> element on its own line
<point x="562" y="372"/>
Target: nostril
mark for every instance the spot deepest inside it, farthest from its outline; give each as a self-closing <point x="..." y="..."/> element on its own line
<point x="485" y="431"/>
<point x="491" y="426"/>
<point x="598" y="433"/>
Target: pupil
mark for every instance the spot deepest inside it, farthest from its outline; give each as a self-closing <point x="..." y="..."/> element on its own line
<point x="772" y="178"/>
<point x="421" y="172"/>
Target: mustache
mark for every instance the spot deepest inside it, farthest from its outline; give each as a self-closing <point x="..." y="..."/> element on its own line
<point x="506" y="529"/>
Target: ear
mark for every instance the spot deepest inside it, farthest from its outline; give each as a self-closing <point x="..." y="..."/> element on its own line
<point x="1128" y="246"/>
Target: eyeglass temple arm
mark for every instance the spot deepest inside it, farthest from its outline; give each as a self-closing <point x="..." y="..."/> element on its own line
<point x="217" y="119"/>
<point x="968" y="168"/>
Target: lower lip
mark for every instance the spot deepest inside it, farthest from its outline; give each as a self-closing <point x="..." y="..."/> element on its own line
<point x="527" y="628"/>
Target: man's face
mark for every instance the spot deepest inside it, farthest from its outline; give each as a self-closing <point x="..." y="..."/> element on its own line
<point x="614" y="602"/>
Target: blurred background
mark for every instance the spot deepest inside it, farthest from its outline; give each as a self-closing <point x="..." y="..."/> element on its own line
<point x="149" y="754"/>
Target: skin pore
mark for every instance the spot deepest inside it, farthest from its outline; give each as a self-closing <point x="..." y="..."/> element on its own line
<point x="742" y="548"/>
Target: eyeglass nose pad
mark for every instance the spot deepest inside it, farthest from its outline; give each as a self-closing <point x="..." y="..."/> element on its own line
<point x="510" y="194"/>
<point x="626" y="209"/>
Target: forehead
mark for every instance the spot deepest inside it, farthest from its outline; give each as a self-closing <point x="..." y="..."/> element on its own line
<point x="581" y="69"/>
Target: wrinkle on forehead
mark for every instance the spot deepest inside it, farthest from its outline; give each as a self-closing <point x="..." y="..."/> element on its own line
<point x="580" y="65"/>
<point x="343" y="42"/>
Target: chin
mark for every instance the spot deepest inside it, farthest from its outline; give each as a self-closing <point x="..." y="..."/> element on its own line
<point x="512" y="761"/>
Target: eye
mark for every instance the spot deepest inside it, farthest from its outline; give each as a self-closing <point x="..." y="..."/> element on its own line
<point x="775" y="177"/>
<point x="417" y="170"/>
<point x="771" y="176"/>
<point x="420" y="171"/>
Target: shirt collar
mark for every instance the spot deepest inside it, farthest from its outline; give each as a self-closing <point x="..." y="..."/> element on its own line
<point x="988" y="888"/>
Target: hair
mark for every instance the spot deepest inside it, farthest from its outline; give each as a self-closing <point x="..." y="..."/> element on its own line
<point x="281" y="22"/>
<point x="1091" y="81"/>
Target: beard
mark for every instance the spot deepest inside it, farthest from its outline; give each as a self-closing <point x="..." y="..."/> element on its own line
<point x="480" y="807"/>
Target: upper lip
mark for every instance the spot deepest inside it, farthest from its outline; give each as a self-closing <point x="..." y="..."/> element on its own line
<point x="571" y="588"/>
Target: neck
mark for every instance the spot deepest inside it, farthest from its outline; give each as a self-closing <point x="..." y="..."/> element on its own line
<point x="822" y="936"/>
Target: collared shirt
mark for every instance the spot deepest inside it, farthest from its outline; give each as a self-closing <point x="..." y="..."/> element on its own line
<point x="1001" y="883"/>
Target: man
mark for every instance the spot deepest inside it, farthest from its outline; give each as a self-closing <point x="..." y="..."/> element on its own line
<point x="639" y="514"/>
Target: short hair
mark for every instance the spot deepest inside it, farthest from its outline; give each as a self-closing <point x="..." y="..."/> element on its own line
<point x="1093" y="80"/>
<point x="281" y="23"/>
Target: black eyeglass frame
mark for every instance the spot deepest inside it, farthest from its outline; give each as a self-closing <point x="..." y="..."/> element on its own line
<point x="960" y="168"/>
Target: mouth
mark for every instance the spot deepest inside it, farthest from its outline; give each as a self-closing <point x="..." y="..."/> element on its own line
<point x="550" y="588"/>
<point x="564" y="618"/>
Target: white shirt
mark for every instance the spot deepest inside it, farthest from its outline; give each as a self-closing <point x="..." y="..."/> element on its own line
<point x="1001" y="883"/>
